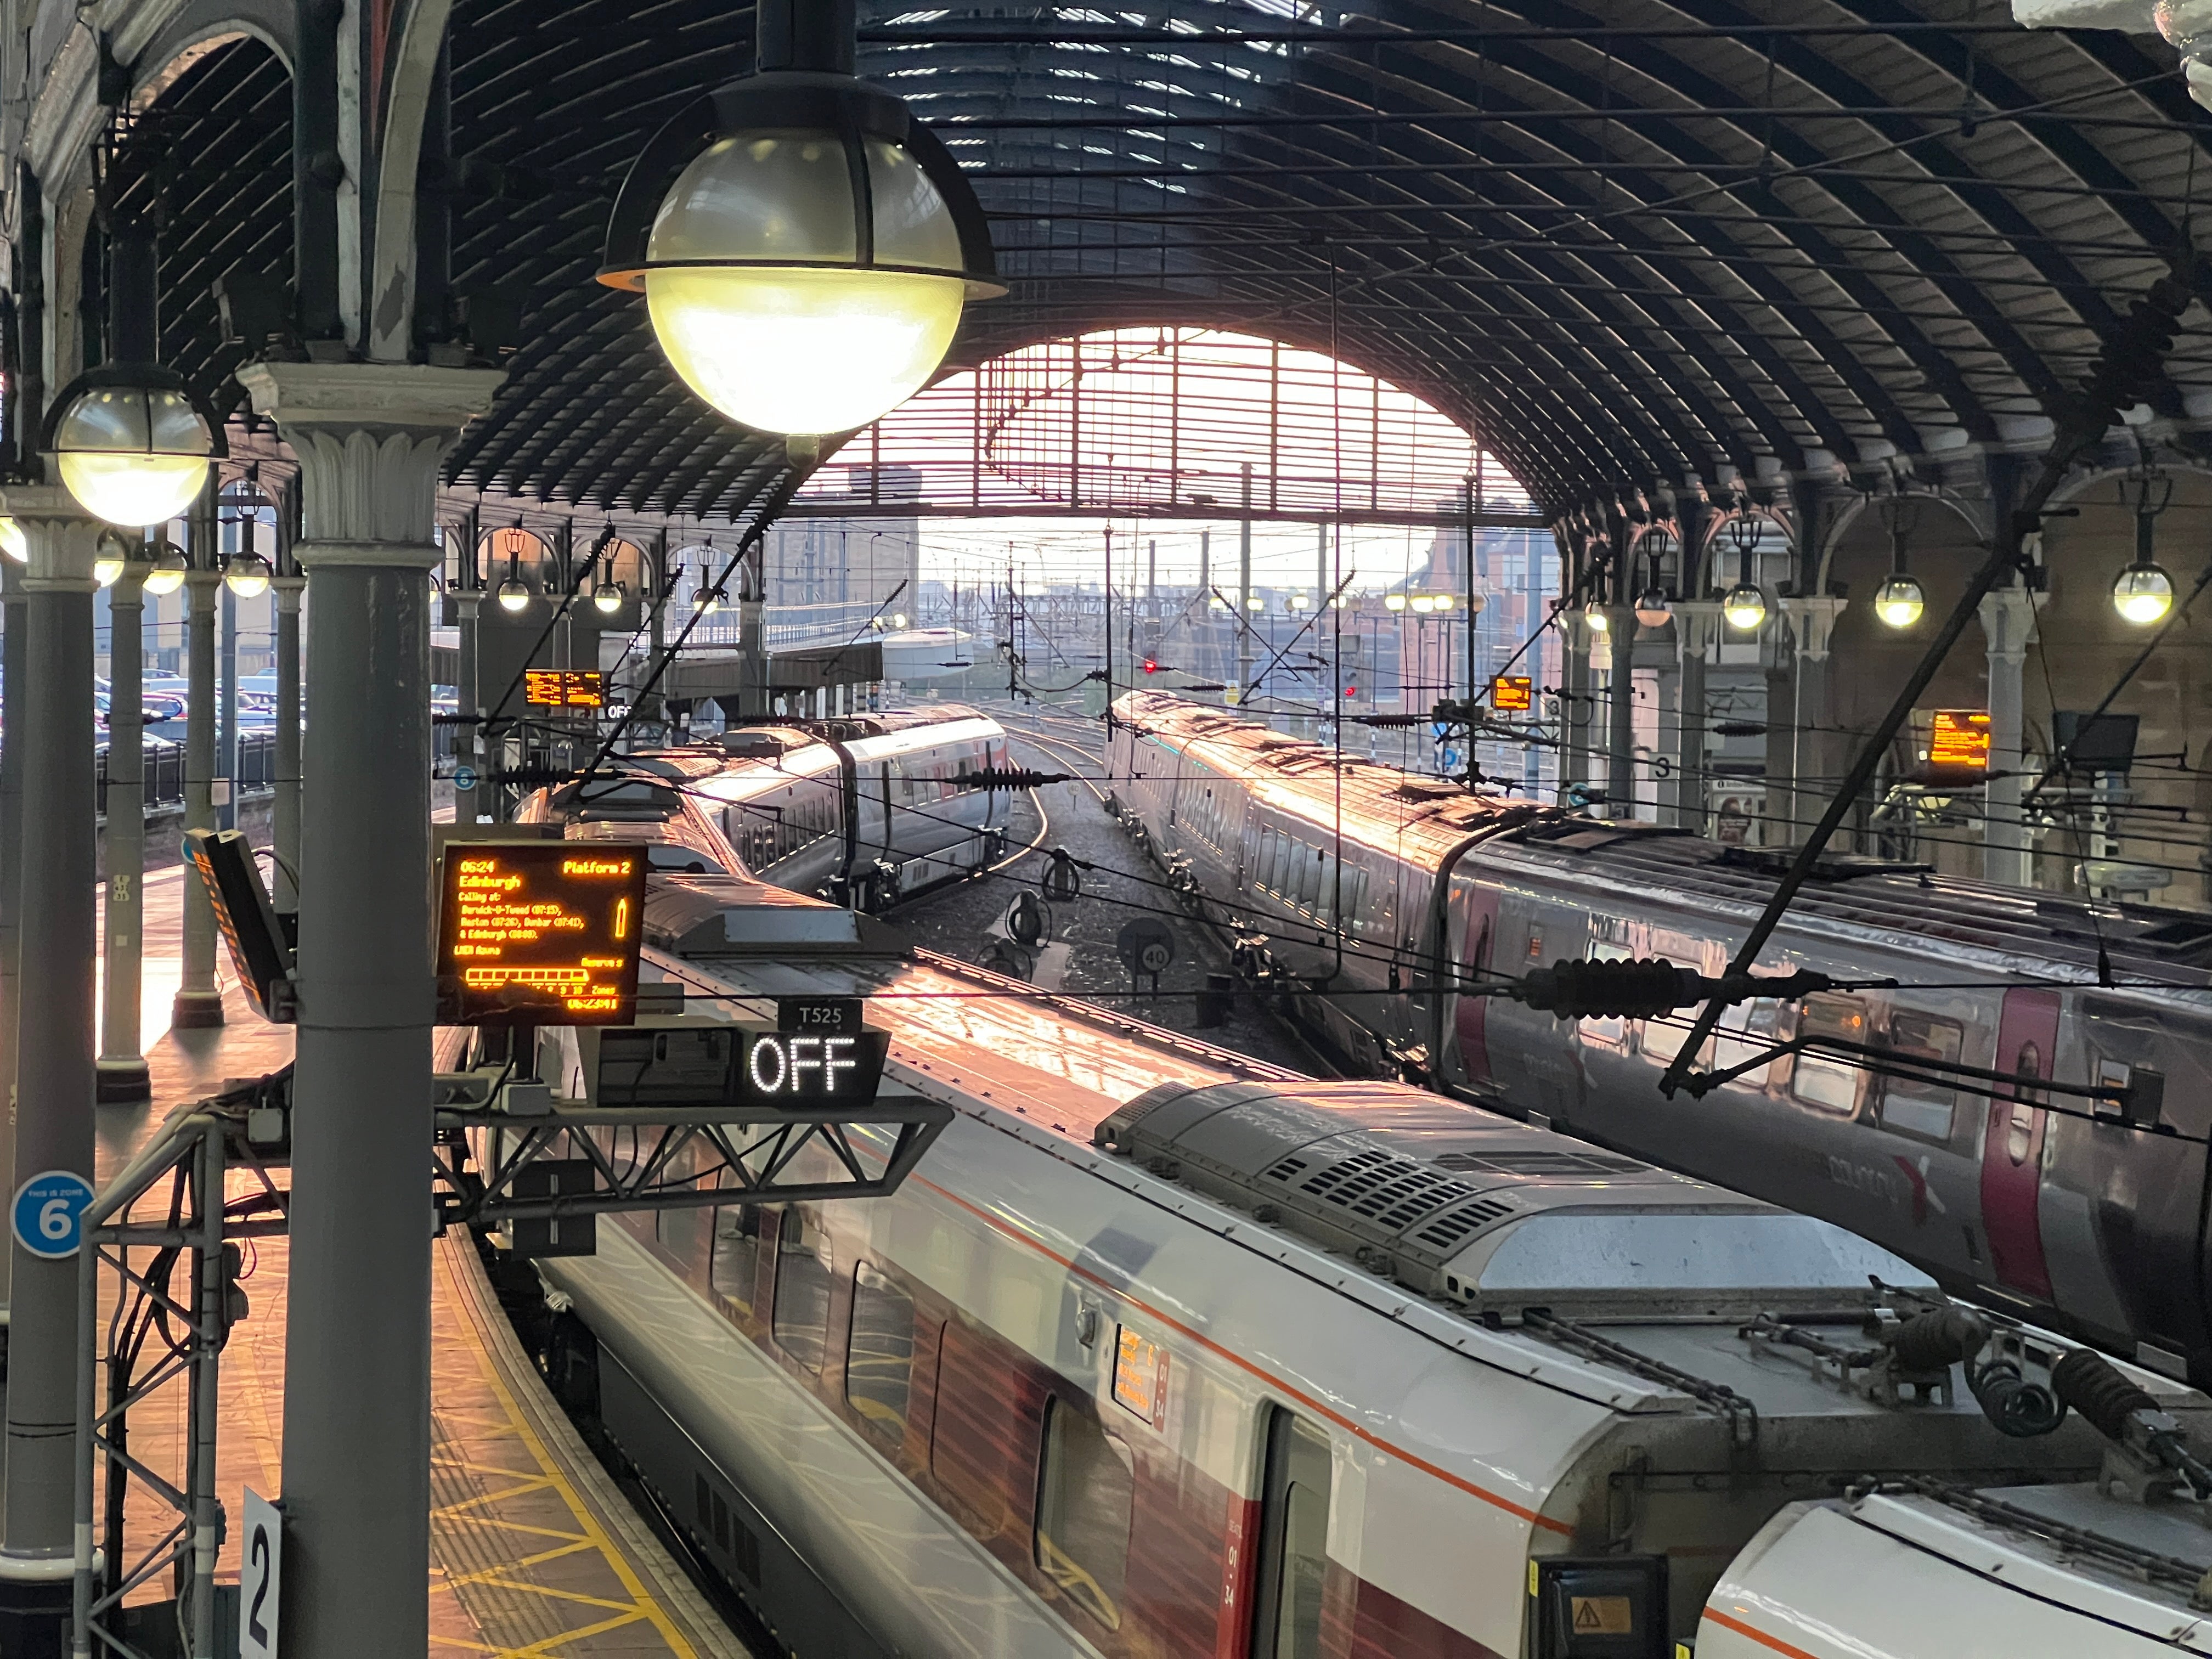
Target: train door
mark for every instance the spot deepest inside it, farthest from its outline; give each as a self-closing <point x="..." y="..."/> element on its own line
<point x="1293" y="1561"/>
<point x="2012" y="1142"/>
<point x="1479" y="951"/>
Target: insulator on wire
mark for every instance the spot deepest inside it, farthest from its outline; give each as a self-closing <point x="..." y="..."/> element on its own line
<point x="1634" y="989"/>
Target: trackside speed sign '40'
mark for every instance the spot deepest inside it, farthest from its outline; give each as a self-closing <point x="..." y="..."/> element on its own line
<point x="48" y="1213"/>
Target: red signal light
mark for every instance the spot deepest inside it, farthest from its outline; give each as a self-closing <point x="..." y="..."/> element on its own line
<point x="1151" y="666"/>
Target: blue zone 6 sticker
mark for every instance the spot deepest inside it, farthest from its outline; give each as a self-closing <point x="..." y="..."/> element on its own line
<point x="48" y="1210"/>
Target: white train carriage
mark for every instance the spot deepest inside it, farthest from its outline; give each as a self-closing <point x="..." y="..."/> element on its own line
<point x="1163" y="1353"/>
<point x="870" y="809"/>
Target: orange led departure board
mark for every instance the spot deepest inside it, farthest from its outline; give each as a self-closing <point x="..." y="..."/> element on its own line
<point x="539" y="932"/>
<point x="564" y="687"/>
<point x="1512" y="693"/>
<point x="1960" y="741"/>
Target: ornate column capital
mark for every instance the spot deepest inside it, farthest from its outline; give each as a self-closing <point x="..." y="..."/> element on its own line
<point x="1575" y="629"/>
<point x="201" y="586"/>
<point x="371" y="438"/>
<point x="2008" y="622"/>
<point x="1697" y="626"/>
<point x="64" y="538"/>
<point x="1813" y="621"/>
<point x="288" y="590"/>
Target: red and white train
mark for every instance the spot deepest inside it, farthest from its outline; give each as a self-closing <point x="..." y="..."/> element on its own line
<point x="1378" y="893"/>
<point x="1163" y="1353"/>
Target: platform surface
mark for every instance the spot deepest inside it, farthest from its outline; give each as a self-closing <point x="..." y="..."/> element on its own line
<point x="534" y="1553"/>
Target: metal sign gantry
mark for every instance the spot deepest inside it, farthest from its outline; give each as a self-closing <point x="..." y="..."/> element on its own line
<point x="168" y="1232"/>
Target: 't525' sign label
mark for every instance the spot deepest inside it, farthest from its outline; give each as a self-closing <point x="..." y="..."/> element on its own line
<point x="792" y="1068"/>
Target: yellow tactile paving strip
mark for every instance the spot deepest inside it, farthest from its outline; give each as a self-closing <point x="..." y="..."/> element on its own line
<point x="526" y="1556"/>
<point x="535" y="1554"/>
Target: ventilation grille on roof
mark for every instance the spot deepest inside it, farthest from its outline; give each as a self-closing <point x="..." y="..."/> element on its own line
<point x="1390" y="1191"/>
<point x="1449" y="1232"/>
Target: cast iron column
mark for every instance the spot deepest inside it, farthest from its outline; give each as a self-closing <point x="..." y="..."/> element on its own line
<point x="14" y="667"/>
<point x="285" y="808"/>
<point x="467" y="602"/>
<point x="54" y="1054"/>
<point x="1697" y="629"/>
<point x="1575" y="703"/>
<point x="2009" y="626"/>
<point x="1812" y="775"/>
<point x="122" y="1074"/>
<point x="1620" y="735"/>
<point x="369" y="439"/>
<point x="199" y="1004"/>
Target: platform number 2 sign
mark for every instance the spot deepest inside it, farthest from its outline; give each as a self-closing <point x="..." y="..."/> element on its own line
<point x="261" y="1573"/>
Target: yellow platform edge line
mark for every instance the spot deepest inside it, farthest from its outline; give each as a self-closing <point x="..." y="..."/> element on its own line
<point x="645" y="1606"/>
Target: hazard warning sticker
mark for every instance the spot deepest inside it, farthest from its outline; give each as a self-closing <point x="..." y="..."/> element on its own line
<point x="1601" y="1615"/>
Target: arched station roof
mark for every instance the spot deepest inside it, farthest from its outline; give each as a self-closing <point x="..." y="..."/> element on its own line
<point x="1629" y="246"/>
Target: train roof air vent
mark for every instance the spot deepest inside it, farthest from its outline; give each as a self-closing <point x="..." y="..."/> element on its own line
<point x="1457" y="1202"/>
<point x="1393" y="1192"/>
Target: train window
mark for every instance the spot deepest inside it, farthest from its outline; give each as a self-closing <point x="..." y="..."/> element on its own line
<point x="1921" y="1106"/>
<point x="803" y="1272"/>
<point x="733" y="1272"/>
<point x="879" y="1357"/>
<point x="1663" y="1037"/>
<point x="1747" y="1032"/>
<point x="1286" y="1611"/>
<point x="1087" y="1499"/>
<point x="1311" y="863"/>
<point x="1829" y="1080"/>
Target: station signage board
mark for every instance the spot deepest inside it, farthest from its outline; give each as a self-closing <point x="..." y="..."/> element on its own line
<point x="1958" y="742"/>
<point x="541" y="933"/>
<point x="819" y="1053"/>
<point x="564" y="687"/>
<point x="1512" y="694"/>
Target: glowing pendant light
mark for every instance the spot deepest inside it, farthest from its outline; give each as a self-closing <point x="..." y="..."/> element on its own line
<point x="2143" y="594"/>
<point x="1900" y="601"/>
<point x="1744" y="608"/>
<point x="807" y="272"/>
<point x="247" y="574"/>
<point x="169" y="571"/>
<point x="12" y="542"/>
<point x="131" y="443"/>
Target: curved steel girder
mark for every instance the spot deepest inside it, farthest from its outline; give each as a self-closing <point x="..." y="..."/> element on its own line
<point x="1755" y="407"/>
<point x="1536" y="66"/>
<point x="1834" y="264"/>
<point x="1719" y="435"/>
<point x="1986" y="201"/>
<point x="1873" y="397"/>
